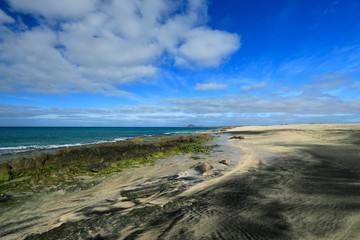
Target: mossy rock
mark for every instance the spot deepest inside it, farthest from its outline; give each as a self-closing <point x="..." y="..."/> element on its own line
<point x="5" y="172"/>
<point x="65" y="164"/>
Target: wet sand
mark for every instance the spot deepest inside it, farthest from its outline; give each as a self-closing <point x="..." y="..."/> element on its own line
<point x="284" y="182"/>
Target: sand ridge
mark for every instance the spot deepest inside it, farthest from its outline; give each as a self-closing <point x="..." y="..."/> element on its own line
<point x="250" y="156"/>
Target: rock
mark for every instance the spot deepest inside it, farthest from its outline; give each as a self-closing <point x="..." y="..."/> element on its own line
<point x="97" y="167"/>
<point x="237" y="137"/>
<point x="203" y="167"/>
<point x="5" y="172"/>
<point x="195" y="157"/>
<point x="225" y="162"/>
<point x="4" y="197"/>
<point x="144" y="191"/>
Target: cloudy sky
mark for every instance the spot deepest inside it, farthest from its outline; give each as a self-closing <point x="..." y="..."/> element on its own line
<point x="178" y="62"/>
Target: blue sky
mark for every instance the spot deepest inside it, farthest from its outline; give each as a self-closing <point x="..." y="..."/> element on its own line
<point x="174" y="63"/>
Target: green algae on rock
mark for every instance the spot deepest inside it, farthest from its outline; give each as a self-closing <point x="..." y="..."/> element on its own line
<point x="65" y="164"/>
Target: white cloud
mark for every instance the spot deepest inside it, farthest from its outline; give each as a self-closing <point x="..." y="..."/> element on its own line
<point x="32" y="64"/>
<point x="328" y="81"/>
<point x="55" y="9"/>
<point x="229" y="110"/>
<point x="206" y="48"/>
<point x="210" y="86"/>
<point x="302" y="104"/>
<point x="254" y="86"/>
<point x="97" y="46"/>
<point x="4" y="18"/>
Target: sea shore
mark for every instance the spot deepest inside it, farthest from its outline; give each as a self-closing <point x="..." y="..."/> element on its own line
<point x="279" y="182"/>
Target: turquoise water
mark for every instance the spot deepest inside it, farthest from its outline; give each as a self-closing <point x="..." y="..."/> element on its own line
<point x="20" y="139"/>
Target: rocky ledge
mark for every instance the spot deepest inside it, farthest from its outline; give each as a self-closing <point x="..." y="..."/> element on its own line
<point x="47" y="169"/>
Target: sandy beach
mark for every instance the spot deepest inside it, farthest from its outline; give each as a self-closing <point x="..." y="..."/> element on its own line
<point x="282" y="182"/>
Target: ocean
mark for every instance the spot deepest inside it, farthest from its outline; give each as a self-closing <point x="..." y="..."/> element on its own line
<point x="22" y="139"/>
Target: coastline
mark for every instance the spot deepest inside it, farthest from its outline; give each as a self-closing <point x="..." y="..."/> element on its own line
<point x="176" y="170"/>
<point x="98" y="158"/>
<point x="284" y="182"/>
<point x="28" y="145"/>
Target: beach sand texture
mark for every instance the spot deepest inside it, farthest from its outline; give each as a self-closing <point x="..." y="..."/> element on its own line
<point x="305" y="185"/>
<point x="284" y="182"/>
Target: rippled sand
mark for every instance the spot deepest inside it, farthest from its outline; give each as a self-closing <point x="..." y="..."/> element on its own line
<point x="284" y="182"/>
